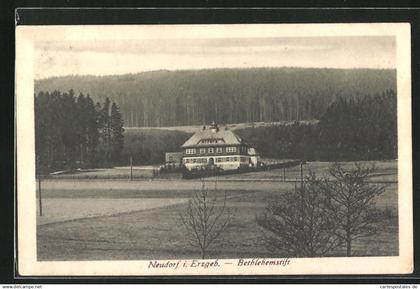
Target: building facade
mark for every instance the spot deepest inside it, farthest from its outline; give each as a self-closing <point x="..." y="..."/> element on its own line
<point x="173" y="158"/>
<point x="217" y="147"/>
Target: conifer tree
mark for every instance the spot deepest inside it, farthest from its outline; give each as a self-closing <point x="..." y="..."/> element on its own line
<point x="80" y="124"/>
<point x="74" y="132"/>
<point x="116" y="132"/>
<point x="92" y="130"/>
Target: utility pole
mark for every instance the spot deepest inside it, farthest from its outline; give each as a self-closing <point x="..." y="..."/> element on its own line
<point x="131" y="168"/>
<point x="39" y="186"/>
<point x="40" y="198"/>
<point x="302" y="194"/>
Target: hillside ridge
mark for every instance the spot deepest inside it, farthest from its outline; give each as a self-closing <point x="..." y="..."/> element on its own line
<point x="225" y="95"/>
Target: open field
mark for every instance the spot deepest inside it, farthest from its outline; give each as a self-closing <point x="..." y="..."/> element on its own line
<point x="120" y="220"/>
<point x="56" y="211"/>
<point x="231" y="126"/>
<point x="110" y="173"/>
<point x="385" y="171"/>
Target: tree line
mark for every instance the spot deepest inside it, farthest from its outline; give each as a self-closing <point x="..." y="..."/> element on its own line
<point x="351" y="129"/>
<point x="148" y="146"/>
<point x="74" y="132"/>
<point x="197" y="97"/>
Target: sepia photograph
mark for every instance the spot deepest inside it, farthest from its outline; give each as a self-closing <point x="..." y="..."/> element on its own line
<point x="214" y="149"/>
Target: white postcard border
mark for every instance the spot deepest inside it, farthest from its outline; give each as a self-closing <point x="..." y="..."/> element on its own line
<point x="26" y="38"/>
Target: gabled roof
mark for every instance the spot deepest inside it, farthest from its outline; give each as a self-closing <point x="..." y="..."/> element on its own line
<point x="220" y="137"/>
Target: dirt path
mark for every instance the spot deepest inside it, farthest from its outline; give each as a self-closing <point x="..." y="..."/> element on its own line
<point x="159" y="185"/>
<point x="57" y="210"/>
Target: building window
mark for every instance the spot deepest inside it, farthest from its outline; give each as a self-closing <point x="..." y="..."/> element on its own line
<point x="202" y="151"/>
<point x="210" y="150"/>
<point x="219" y="150"/>
<point x="231" y="149"/>
<point x="235" y="159"/>
<point x="190" y="151"/>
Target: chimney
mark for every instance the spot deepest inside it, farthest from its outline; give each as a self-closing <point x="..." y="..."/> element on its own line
<point x="214" y="127"/>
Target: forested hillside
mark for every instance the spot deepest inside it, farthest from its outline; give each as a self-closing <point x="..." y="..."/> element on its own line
<point x="195" y="97"/>
<point x="350" y="130"/>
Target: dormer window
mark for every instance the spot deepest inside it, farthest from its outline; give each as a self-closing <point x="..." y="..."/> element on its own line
<point x="211" y="141"/>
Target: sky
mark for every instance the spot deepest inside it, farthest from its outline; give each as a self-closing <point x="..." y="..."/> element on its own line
<point x="122" y="56"/>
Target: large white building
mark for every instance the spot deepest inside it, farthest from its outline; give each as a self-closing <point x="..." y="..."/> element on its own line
<point x="218" y="147"/>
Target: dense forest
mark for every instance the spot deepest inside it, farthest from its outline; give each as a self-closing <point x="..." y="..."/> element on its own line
<point x="351" y="129"/>
<point x="148" y="146"/>
<point x="74" y="132"/>
<point x="195" y="97"/>
<point x="361" y="129"/>
<point x="352" y="114"/>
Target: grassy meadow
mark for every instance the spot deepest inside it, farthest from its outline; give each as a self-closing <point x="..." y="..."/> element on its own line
<point x="92" y="219"/>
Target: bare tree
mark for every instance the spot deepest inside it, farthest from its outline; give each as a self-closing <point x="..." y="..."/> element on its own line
<point x="300" y="224"/>
<point x="352" y="200"/>
<point x="206" y="218"/>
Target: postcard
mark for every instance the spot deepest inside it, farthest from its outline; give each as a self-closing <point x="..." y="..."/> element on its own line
<point x="240" y="149"/>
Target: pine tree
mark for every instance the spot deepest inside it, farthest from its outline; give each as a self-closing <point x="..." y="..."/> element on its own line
<point x="41" y="132"/>
<point x="104" y="150"/>
<point x="92" y="132"/>
<point x="80" y="124"/>
<point x="70" y="130"/>
<point x="67" y="113"/>
<point x="116" y="132"/>
<point x="106" y="122"/>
